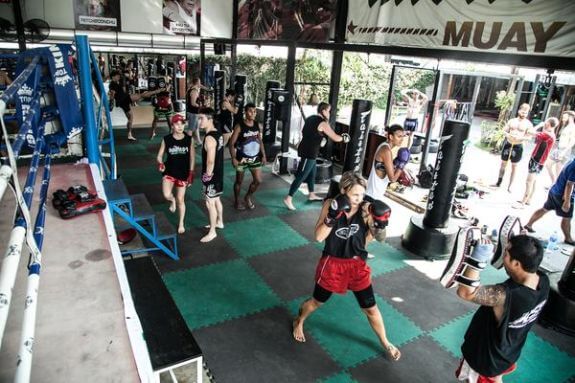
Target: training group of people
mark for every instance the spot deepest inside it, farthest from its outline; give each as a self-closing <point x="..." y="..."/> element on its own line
<point x="554" y="142"/>
<point x="176" y="156"/>
<point x="348" y="222"/>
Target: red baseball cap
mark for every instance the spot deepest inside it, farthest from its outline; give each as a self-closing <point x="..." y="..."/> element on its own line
<point x="178" y="118"/>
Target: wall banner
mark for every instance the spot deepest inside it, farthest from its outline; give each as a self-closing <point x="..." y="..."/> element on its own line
<point x="308" y="20"/>
<point x="97" y="15"/>
<point x="531" y="27"/>
<point x="181" y="17"/>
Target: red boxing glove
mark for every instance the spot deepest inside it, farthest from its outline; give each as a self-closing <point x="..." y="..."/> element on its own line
<point x="161" y="167"/>
<point x="190" y="179"/>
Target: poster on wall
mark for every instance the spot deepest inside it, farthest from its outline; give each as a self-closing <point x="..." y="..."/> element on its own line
<point x="540" y="27"/>
<point x="181" y="17"/>
<point x="303" y="20"/>
<point x="97" y="15"/>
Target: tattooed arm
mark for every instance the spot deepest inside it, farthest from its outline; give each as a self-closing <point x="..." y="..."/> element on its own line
<point x="490" y="295"/>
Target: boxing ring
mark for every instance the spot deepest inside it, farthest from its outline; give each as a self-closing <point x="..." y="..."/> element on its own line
<point x="82" y="322"/>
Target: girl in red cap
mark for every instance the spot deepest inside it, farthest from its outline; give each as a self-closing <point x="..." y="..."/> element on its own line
<point x="178" y="169"/>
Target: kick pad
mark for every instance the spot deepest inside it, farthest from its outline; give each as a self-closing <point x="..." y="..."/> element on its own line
<point x="466" y="238"/>
<point x="511" y="226"/>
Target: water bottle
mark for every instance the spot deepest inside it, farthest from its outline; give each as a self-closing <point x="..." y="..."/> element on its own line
<point x="552" y="243"/>
<point x="494" y="236"/>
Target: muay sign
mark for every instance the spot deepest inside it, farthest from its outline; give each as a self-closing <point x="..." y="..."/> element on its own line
<point x="543" y="27"/>
<point x="358" y="129"/>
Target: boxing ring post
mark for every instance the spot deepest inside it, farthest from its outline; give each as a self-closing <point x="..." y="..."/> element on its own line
<point x="86" y="92"/>
<point x="432" y="236"/>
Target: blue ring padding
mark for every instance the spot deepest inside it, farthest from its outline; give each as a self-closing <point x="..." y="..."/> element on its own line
<point x="34" y="269"/>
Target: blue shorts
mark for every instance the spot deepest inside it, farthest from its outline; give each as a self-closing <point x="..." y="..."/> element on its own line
<point x="554" y="202"/>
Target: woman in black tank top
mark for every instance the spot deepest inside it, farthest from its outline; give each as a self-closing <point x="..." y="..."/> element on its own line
<point x="346" y="225"/>
<point x="178" y="168"/>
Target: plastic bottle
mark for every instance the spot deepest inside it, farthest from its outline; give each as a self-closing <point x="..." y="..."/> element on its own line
<point x="552" y="243"/>
<point x="494" y="236"/>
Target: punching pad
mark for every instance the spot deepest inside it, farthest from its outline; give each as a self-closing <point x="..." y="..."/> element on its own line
<point x="358" y="130"/>
<point x="449" y="157"/>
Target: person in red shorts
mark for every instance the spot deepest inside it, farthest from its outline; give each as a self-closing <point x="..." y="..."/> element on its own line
<point x="347" y="223"/>
<point x="544" y="140"/>
<point x="178" y="169"/>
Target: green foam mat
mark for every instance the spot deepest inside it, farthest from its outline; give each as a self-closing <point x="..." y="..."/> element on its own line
<point x="216" y="293"/>
<point x="272" y="199"/>
<point x="450" y="336"/>
<point x="343" y="331"/>
<point x="256" y="236"/>
<point x="387" y="258"/>
<point x="141" y="176"/>
<point x="132" y="149"/>
<point x="339" y="378"/>
<point x="195" y="217"/>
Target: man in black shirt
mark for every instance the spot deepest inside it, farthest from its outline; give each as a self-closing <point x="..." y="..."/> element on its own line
<point x="314" y="131"/>
<point x="247" y="152"/>
<point x="499" y="328"/>
<point x="124" y="100"/>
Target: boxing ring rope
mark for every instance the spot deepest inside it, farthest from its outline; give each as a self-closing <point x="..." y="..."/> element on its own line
<point x="20" y="231"/>
<point x="24" y="364"/>
<point x="23" y="230"/>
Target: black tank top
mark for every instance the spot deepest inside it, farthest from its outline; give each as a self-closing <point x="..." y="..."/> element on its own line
<point x="490" y="348"/>
<point x="178" y="157"/>
<point x="248" y="144"/>
<point x="311" y="138"/>
<point x="219" y="160"/>
<point x="347" y="238"/>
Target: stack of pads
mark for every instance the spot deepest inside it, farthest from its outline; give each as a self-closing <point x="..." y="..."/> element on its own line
<point x="75" y="201"/>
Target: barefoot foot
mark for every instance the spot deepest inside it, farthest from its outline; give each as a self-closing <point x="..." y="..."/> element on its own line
<point x="208" y="237"/>
<point x="181" y="230"/>
<point x="298" y="330"/>
<point x="289" y="204"/>
<point x="392" y="352"/>
<point x="172" y="207"/>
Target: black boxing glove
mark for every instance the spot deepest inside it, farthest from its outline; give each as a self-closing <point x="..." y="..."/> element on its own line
<point x="338" y="206"/>
<point x="380" y="213"/>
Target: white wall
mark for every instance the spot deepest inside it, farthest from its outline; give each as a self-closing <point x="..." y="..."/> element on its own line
<point x="144" y="16"/>
<point x="217" y="18"/>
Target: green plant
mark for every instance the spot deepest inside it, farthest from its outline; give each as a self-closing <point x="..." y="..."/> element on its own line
<point x="492" y="135"/>
<point x="504" y="101"/>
